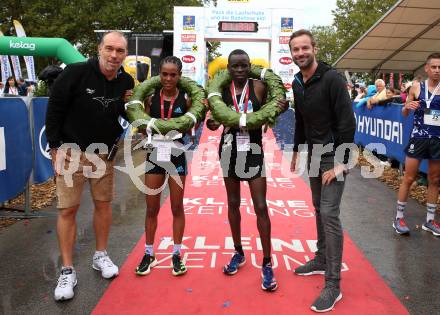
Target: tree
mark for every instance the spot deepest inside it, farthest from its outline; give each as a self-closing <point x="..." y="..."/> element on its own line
<point x="327" y="43"/>
<point x="76" y="20"/>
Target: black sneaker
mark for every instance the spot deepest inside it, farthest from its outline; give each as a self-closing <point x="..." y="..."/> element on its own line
<point x="327" y="300"/>
<point x="312" y="267"/>
<point x="178" y="265"/>
<point x="146" y="264"/>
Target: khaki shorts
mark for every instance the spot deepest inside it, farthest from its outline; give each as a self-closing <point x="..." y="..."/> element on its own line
<point x="77" y="170"/>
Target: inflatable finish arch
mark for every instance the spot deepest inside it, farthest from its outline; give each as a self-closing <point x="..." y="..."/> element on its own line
<point x="41" y="47"/>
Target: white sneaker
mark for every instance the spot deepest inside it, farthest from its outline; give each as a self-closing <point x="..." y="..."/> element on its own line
<point x="66" y="282"/>
<point x="104" y="264"/>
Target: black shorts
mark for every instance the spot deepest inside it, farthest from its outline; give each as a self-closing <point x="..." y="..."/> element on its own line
<point x="243" y="166"/>
<point x="423" y="148"/>
<point x="177" y="165"/>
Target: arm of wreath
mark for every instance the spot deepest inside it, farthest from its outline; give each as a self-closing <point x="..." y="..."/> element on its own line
<point x="230" y="118"/>
<point x="137" y="116"/>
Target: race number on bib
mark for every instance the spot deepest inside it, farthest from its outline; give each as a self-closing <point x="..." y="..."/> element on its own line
<point x="243" y="142"/>
<point x="164" y="151"/>
<point x="431" y="117"/>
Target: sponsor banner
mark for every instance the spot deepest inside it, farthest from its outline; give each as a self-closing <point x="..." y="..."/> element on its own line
<point x="5" y="67"/>
<point x="189" y="42"/>
<point x="188" y="38"/>
<point x="285" y="60"/>
<point x="245" y="22"/>
<point x="188" y="59"/>
<point x="29" y="60"/>
<point x="15" y="147"/>
<point x="16" y="66"/>
<point x="385" y="125"/>
<point x="283" y="40"/>
<point x="284" y="22"/>
<point x="6" y="70"/>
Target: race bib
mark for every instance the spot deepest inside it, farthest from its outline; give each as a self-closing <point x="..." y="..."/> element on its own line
<point x="243" y="142"/>
<point x="431" y="117"/>
<point x="164" y="151"/>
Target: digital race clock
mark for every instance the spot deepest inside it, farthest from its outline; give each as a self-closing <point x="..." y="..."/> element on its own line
<point x="228" y="26"/>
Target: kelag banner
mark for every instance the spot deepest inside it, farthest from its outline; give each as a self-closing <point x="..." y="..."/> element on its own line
<point x="386" y="125"/>
<point x="43" y="165"/>
<point x="15" y="147"/>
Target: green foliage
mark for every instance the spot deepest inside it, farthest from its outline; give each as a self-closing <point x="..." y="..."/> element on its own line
<point x="230" y="118"/>
<point x="212" y="50"/>
<point x="75" y="20"/>
<point x="42" y="89"/>
<point x="328" y="43"/>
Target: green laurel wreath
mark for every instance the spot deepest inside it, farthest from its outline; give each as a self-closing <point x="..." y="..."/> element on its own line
<point x="267" y="113"/>
<point x="135" y="108"/>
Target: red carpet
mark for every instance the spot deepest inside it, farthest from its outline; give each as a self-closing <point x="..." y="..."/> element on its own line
<point x="208" y="246"/>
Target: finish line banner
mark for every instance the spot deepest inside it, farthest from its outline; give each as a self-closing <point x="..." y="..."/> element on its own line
<point x="385" y="125"/>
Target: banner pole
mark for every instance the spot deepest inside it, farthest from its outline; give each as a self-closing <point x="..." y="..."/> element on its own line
<point x="28" y="193"/>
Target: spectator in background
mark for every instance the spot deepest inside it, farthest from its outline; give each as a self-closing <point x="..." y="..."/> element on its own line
<point x="393" y="96"/>
<point x="22" y="87"/>
<point x="404" y="88"/>
<point x="2" y="86"/>
<point x="380" y="93"/>
<point x="11" y="86"/>
<point x="371" y="91"/>
<point x="48" y="75"/>
<point x="361" y="92"/>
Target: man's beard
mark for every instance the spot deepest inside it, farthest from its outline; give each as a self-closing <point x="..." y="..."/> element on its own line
<point x="307" y="64"/>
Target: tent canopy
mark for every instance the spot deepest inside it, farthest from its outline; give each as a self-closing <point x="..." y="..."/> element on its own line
<point x="399" y="42"/>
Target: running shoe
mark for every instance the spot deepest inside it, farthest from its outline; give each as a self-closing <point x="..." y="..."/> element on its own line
<point x="432" y="226"/>
<point x="66" y="282"/>
<point x="145" y="265"/>
<point x="178" y="265"/>
<point x="104" y="264"/>
<point x="269" y="282"/>
<point x="400" y="226"/>
<point x="236" y="262"/>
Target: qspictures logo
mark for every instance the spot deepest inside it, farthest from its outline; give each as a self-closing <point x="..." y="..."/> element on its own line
<point x="20" y="44"/>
